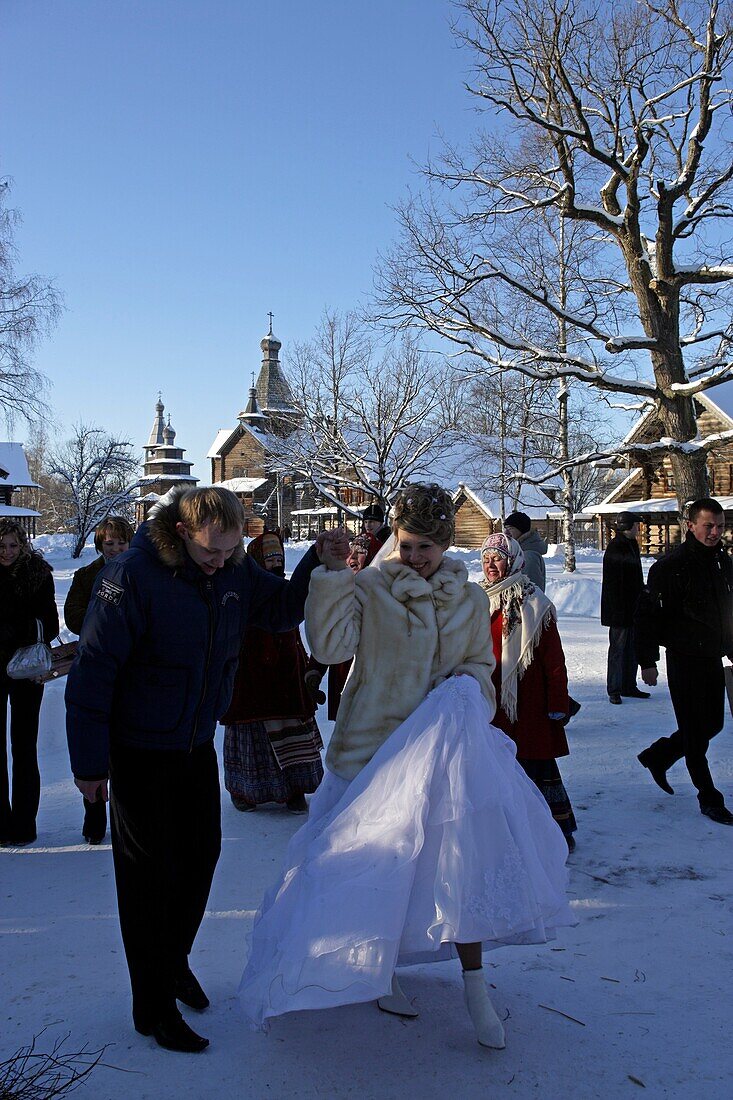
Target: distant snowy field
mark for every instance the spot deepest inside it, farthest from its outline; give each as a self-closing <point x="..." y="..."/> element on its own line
<point x="645" y="975"/>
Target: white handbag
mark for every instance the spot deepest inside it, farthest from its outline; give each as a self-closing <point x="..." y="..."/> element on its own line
<point x="31" y="662"/>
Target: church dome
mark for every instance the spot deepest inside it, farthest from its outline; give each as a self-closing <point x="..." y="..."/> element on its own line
<point x="270" y="346"/>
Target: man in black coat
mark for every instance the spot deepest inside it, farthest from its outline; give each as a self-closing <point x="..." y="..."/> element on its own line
<point x="158" y="652"/>
<point x="372" y="521"/>
<point x="623" y="582"/>
<point x="687" y="607"/>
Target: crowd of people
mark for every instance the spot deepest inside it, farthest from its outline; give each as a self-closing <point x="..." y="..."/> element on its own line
<point x="441" y="824"/>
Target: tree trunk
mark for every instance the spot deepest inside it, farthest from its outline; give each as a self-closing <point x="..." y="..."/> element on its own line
<point x="568" y="503"/>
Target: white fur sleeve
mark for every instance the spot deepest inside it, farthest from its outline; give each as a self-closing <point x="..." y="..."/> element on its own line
<point x="331" y="616"/>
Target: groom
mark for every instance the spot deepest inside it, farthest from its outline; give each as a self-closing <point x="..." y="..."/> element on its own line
<point x="156" y="662"/>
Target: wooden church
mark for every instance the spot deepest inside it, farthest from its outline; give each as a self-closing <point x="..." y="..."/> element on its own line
<point x="242" y="457"/>
<point x="164" y="465"/>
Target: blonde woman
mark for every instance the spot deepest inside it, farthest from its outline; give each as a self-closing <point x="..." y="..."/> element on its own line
<point x="426" y="840"/>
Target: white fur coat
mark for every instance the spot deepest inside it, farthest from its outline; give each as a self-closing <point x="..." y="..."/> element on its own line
<point x="408" y="634"/>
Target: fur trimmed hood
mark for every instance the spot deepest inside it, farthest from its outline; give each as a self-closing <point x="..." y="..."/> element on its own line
<point x="161" y="531"/>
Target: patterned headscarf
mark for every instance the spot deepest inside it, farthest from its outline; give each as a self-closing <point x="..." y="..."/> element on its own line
<point x="509" y="548"/>
<point x="365" y="543"/>
<point x="526" y="611"/>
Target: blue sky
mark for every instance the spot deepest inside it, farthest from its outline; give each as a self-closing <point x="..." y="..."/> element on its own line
<point x="182" y="167"/>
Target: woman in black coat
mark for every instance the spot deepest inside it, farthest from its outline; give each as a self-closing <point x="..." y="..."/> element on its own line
<point x="26" y="595"/>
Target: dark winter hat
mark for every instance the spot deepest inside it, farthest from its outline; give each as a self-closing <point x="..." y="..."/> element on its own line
<point x="624" y="521"/>
<point x="373" y="512"/>
<point x="520" y="521"/>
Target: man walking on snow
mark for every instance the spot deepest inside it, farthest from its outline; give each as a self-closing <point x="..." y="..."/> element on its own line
<point x="519" y="527"/>
<point x="157" y="656"/>
<point x="687" y="606"/>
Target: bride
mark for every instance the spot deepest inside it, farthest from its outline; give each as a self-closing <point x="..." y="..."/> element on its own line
<point x="426" y="840"/>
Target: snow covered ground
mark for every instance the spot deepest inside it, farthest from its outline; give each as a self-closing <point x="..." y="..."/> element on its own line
<point x="636" y="996"/>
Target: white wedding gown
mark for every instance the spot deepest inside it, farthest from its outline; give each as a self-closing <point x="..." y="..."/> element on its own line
<point x="441" y="838"/>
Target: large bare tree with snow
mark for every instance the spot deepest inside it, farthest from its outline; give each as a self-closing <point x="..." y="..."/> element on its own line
<point x="369" y="419"/>
<point x="617" y="120"/>
<point x="29" y="309"/>
<point x="92" y="475"/>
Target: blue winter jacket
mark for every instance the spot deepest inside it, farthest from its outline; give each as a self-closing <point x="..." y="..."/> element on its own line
<point x="160" y="643"/>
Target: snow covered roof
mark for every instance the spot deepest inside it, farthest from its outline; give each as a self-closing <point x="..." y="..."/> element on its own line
<point x="314" y="512"/>
<point x="269" y="441"/>
<point x="655" y="504"/>
<point x="221" y="437"/>
<point x="242" y="484"/>
<point x="10" y="511"/>
<point x="13" y="460"/>
<point x="718" y="400"/>
<point x="168" y="477"/>
<point x="532" y="501"/>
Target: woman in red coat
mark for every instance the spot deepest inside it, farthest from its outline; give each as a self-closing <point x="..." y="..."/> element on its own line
<point x="272" y="745"/>
<point x="530" y="677"/>
<point x="364" y="548"/>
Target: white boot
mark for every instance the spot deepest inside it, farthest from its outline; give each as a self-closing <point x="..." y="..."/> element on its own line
<point x="489" y="1028"/>
<point x="396" y="1002"/>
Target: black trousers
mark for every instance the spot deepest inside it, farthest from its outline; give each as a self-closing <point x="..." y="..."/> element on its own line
<point x="697" y="689"/>
<point x="19" y="808"/>
<point x="621" y="666"/>
<point x="165" y="816"/>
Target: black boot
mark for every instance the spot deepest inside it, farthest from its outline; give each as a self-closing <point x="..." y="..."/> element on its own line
<point x="189" y="992"/>
<point x="721" y="815"/>
<point x="172" y="1032"/>
<point x="655" y="769"/>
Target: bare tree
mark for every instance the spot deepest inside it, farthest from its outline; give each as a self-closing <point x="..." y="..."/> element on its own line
<point x="505" y="428"/>
<point x="94" y="475"/>
<point x="29" y="309"/>
<point x="43" y="498"/>
<point x="367" y="424"/>
<point x="618" y="120"/>
<point x="32" y="1074"/>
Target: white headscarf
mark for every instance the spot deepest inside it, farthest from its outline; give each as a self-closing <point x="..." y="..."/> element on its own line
<point x="526" y="611"/>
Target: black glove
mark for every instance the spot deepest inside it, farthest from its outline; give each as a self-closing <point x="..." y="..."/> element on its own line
<point x="312" y="682"/>
<point x="573" y="709"/>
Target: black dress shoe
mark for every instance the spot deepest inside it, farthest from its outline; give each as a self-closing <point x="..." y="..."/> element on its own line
<point x="189" y="992"/>
<point x="720" y="814"/>
<point x="173" y="1033"/>
<point x="93" y="839"/>
<point x="636" y="694"/>
<point x="615" y="699"/>
<point x="657" y="772"/>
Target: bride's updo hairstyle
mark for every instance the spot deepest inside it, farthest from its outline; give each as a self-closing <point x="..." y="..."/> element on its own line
<point x="425" y="510"/>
